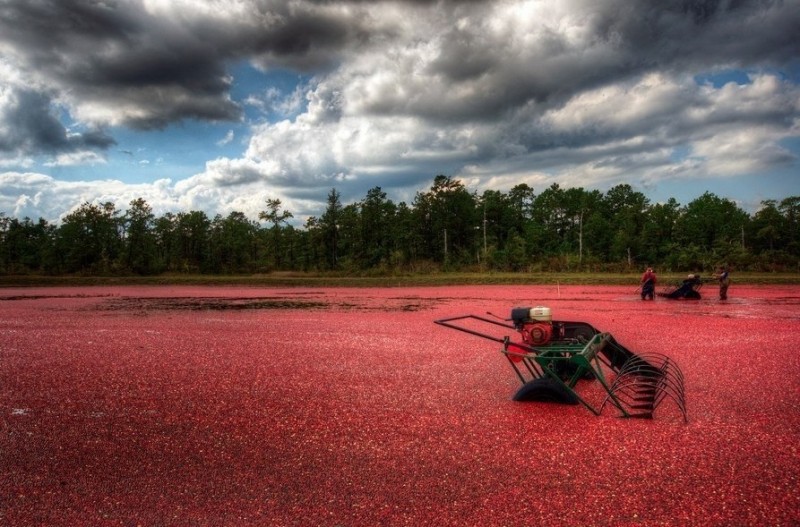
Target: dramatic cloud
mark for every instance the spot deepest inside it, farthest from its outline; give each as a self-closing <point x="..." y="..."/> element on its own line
<point x="497" y="92"/>
<point x="28" y="126"/>
<point x="570" y="89"/>
<point x="146" y="63"/>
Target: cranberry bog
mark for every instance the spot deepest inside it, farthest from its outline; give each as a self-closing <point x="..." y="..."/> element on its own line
<point x="342" y="406"/>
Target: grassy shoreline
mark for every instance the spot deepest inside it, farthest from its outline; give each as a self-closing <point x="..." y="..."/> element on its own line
<point x="410" y="280"/>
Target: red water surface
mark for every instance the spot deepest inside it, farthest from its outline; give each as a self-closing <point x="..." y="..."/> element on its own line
<point x="136" y="406"/>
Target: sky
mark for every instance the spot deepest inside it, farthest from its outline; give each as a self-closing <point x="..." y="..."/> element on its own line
<point x="219" y="105"/>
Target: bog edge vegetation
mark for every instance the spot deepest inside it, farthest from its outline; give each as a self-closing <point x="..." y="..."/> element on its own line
<point x="330" y="279"/>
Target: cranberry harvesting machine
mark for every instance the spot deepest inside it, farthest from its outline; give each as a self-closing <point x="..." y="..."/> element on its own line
<point x="553" y="358"/>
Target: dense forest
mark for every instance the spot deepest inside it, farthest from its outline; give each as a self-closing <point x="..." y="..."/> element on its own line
<point x="445" y="228"/>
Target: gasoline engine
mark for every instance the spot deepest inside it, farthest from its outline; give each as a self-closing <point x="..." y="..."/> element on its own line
<point x="534" y="324"/>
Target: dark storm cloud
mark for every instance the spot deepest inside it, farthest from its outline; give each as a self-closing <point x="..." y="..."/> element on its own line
<point x="735" y="33"/>
<point x="126" y="65"/>
<point x="114" y="53"/>
<point x="304" y="40"/>
<point x="42" y="24"/>
<point x="617" y="41"/>
<point x="27" y="126"/>
<point x="164" y="67"/>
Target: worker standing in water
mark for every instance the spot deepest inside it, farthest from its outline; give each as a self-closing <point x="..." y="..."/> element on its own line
<point x="648" y="284"/>
<point x="724" y="282"/>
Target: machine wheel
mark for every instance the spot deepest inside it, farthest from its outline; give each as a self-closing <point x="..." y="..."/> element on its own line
<point x="545" y="390"/>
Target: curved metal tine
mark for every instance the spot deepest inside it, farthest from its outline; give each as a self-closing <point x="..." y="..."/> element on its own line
<point x="672" y="367"/>
<point x="663" y="383"/>
<point x="630" y="377"/>
<point x="678" y="401"/>
<point x="635" y="380"/>
<point x="635" y="367"/>
<point x="672" y="390"/>
<point x="651" y="355"/>
<point x="659" y="397"/>
<point x="632" y="388"/>
<point x="635" y="387"/>
<point x="628" y="389"/>
<point x="651" y="370"/>
<point x="635" y="375"/>
<point x="618" y="400"/>
<point x="668" y="362"/>
<point x="649" y="359"/>
<point x="666" y="373"/>
<point x="613" y="384"/>
<point x="677" y="397"/>
<point x="676" y="381"/>
<point x="674" y="374"/>
<point x="624" y="399"/>
<point x="642" y="370"/>
<point x="634" y="358"/>
<point x="664" y="370"/>
<point x="619" y="405"/>
<point x="666" y="385"/>
<point x="680" y="404"/>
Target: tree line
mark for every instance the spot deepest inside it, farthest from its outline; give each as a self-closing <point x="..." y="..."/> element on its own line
<point x="447" y="227"/>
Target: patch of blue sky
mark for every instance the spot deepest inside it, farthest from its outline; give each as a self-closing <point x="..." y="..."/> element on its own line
<point x="176" y="152"/>
<point x="263" y="95"/>
<point x="181" y="150"/>
<point x="792" y="144"/>
<point x="790" y="72"/>
<point x="720" y="78"/>
<point x="680" y="153"/>
<point x="747" y="191"/>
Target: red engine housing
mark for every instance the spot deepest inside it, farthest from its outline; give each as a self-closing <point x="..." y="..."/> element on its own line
<point x="536" y="333"/>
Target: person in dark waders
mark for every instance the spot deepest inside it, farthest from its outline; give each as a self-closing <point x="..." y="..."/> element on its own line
<point x="648" y="282"/>
<point x="724" y="282"/>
